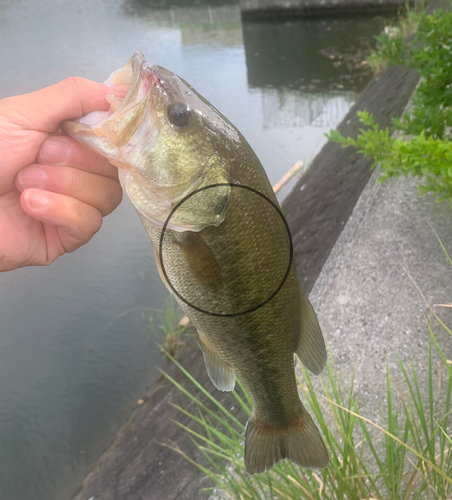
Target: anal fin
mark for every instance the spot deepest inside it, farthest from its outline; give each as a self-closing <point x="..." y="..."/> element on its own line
<point x="310" y="347"/>
<point x="220" y="373"/>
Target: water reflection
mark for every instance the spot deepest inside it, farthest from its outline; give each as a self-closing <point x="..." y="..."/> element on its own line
<point x="139" y="6"/>
<point x="314" y="55"/>
<point x="291" y="108"/>
<point x="207" y="35"/>
<point x="204" y="25"/>
<point x="308" y="71"/>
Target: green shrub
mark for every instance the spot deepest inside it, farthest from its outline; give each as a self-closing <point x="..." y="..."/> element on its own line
<point x="425" y="146"/>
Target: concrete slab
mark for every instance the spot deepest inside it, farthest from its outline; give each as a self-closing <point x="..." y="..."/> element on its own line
<point x="367" y="305"/>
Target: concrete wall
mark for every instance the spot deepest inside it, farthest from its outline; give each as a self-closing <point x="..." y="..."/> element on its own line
<point x="264" y="8"/>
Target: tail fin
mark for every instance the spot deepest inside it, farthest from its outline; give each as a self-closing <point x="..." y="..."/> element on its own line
<point x="299" y="442"/>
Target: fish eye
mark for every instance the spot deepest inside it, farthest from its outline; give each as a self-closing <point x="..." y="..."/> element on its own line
<point x="178" y="114"/>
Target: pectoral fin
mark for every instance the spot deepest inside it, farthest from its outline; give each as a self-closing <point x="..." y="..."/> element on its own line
<point x="200" y="259"/>
<point x="220" y="373"/>
<point x="311" y="347"/>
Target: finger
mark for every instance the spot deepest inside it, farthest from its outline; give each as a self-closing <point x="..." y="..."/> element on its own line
<point x="62" y="150"/>
<point x="74" y="97"/>
<point x="103" y="193"/>
<point x="77" y="222"/>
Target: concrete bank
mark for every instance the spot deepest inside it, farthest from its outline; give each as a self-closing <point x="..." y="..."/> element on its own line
<point x="137" y="466"/>
<point x="323" y="199"/>
<point x="261" y="9"/>
<point x="368" y="307"/>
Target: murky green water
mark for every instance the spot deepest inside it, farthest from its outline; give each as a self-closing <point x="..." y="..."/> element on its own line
<point x="75" y="348"/>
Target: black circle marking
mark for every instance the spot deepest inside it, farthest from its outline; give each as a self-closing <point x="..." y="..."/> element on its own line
<point x="278" y="210"/>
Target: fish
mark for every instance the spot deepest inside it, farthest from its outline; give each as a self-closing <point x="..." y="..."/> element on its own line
<point x="222" y="248"/>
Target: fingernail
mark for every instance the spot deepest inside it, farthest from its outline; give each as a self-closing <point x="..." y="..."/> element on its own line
<point x="54" y="151"/>
<point x="119" y="89"/>
<point x="36" y="200"/>
<point x="32" y="177"/>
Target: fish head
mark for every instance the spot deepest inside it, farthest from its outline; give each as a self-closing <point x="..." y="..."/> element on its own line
<point x="167" y="142"/>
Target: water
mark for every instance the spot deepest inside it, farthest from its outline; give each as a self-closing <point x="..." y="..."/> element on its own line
<point x="76" y="351"/>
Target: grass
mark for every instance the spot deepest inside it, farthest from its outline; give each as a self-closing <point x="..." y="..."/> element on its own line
<point x="414" y="461"/>
<point x="168" y="328"/>
<point x="408" y="457"/>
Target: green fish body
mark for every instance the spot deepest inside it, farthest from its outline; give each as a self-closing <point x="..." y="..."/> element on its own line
<point x="222" y="247"/>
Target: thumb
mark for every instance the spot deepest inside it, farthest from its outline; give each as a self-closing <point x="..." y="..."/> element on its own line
<point x="74" y="97"/>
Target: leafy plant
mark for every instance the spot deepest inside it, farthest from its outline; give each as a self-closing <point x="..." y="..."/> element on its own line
<point x="425" y="146"/>
<point x="421" y="156"/>
<point x="390" y="43"/>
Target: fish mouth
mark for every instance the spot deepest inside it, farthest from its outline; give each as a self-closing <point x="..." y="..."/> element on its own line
<point x="131" y="117"/>
<point x="131" y="121"/>
<point x="139" y="76"/>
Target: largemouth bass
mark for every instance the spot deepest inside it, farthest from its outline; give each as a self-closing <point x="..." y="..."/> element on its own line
<point x="222" y="248"/>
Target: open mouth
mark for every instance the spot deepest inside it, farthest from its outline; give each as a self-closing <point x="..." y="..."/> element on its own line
<point x="129" y="120"/>
<point x="138" y="77"/>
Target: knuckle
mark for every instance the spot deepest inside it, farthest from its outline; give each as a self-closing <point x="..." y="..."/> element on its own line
<point x="94" y="225"/>
<point x="73" y="182"/>
<point x="86" y="219"/>
<point x="72" y="83"/>
<point x="73" y="213"/>
<point x="113" y="197"/>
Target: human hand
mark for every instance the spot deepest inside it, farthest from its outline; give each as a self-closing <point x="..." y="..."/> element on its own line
<point x="53" y="191"/>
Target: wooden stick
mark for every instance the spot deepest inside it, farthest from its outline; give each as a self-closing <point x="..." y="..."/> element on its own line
<point x="287" y="176"/>
<point x="184" y="321"/>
